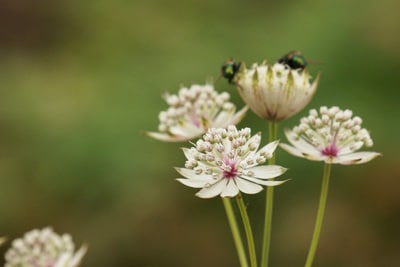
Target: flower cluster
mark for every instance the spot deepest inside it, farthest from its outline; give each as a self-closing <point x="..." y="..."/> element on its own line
<point x="226" y="161"/>
<point x="44" y="248"/>
<point x="332" y="136"/>
<point x="193" y="111"/>
<point x="275" y="92"/>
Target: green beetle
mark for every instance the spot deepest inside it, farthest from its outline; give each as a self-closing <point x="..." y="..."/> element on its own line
<point x="229" y="70"/>
<point x="294" y="60"/>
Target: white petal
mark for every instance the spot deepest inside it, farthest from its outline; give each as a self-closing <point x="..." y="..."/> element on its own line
<point x="76" y="260"/>
<point x="255" y="139"/>
<point x="349" y="149"/>
<point x="355" y="158"/>
<point x="247" y="186"/>
<point x="188" y="152"/>
<point x="301" y="144"/>
<point x="189" y="173"/>
<point x="194" y="183"/>
<point x="250" y="92"/>
<point x="259" y="181"/>
<point x="296" y="152"/>
<point x="230" y="189"/>
<point x="187" y="130"/>
<point x="316" y="157"/>
<point x="292" y="150"/>
<point x="239" y="116"/>
<point x="212" y="190"/>
<point x="267" y="171"/>
<point x="222" y="120"/>
<point x="166" y="137"/>
<point x="267" y="149"/>
<point x="63" y="260"/>
<point x="270" y="148"/>
<point x="303" y="93"/>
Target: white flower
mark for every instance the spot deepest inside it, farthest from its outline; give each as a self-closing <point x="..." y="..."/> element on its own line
<point x="332" y="136"/>
<point x="44" y="248"/>
<point x="193" y="111"/>
<point x="275" y="92"/>
<point x="225" y="162"/>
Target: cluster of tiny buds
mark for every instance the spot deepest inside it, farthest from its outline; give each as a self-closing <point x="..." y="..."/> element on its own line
<point x="238" y="138"/>
<point x="38" y="248"/>
<point x="221" y="149"/>
<point x="191" y="103"/>
<point x="332" y="125"/>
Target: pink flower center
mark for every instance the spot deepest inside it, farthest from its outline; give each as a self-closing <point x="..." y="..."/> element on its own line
<point x="330" y="150"/>
<point x="231" y="171"/>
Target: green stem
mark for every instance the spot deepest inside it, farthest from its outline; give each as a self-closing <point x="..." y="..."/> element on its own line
<point x="248" y="230"/>
<point x="235" y="231"/>
<point x="269" y="201"/>
<point x="320" y="215"/>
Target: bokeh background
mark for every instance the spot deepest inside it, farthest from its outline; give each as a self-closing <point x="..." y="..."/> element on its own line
<point x="81" y="80"/>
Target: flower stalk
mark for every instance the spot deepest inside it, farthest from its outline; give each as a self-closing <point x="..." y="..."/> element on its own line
<point x="269" y="201"/>
<point x="235" y="231"/>
<point x="228" y="162"/>
<point x="320" y="215"/>
<point x="248" y="230"/>
<point x="333" y="136"/>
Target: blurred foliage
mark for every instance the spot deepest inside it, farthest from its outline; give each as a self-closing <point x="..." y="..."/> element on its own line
<point x="80" y="81"/>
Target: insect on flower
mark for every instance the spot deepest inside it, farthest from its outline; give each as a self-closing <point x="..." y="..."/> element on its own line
<point x="293" y="59"/>
<point x="229" y="70"/>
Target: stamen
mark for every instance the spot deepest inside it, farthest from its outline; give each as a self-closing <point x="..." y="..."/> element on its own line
<point x="330" y="150"/>
<point x="230" y="170"/>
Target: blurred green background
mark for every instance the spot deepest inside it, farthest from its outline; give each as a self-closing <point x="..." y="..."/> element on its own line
<point x="80" y="81"/>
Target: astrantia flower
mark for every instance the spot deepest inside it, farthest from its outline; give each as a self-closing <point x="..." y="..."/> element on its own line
<point x="44" y="248"/>
<point x="226" y="161"/>
<point x="193" y="111"/>
<point x="275" y="92"/>
<point x="332" y="136"/>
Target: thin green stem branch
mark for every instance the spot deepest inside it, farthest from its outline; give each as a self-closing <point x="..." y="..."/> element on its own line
<point x="248" y="230"/>
<point x="320" y="215"/>
<point x="269" y="201"/>
<point x="235" y="232"/>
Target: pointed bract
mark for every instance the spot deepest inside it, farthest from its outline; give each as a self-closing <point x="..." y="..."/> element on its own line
<point x="275" y="92"/>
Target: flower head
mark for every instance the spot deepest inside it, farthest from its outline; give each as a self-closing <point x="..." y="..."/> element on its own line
<point x="275" y="92"/>
<point x="226" y="161"/>
<point x="44" y="248"/>
<point x="332" y="136"/>
<point x="193" y="111"/>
